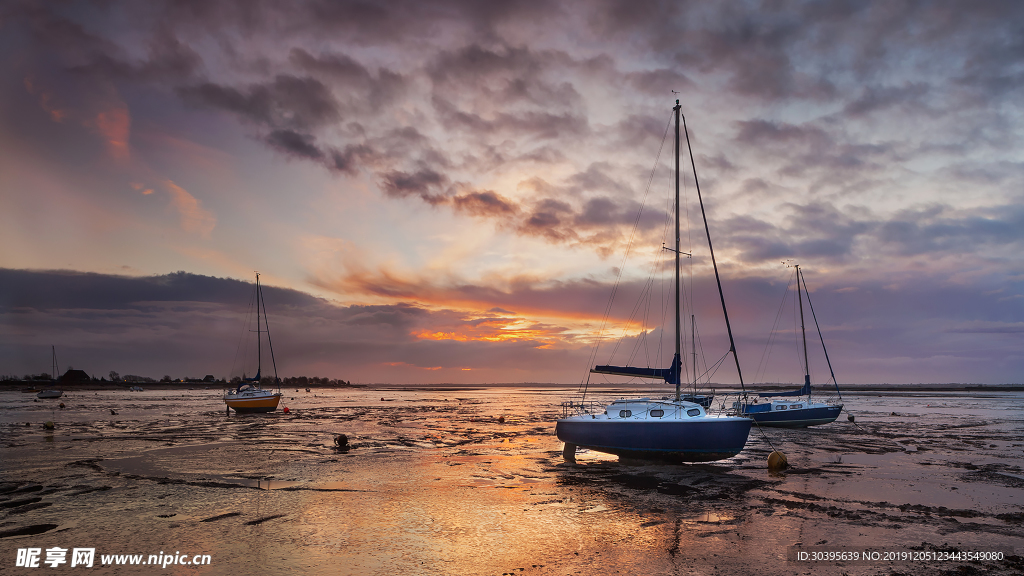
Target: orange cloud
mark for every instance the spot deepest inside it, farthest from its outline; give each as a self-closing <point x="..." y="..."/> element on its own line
<point x="480" y="327"/>
<point x="142" y="188"/>
<point x="193" y="217"/>
<point x="114" y="126"/>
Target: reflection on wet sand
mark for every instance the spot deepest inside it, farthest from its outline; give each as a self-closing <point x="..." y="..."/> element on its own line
<point x="463" y="482"/>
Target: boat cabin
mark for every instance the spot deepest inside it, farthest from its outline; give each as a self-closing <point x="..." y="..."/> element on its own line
<point x="645" y="408"/>
<point x="774" y="406"/>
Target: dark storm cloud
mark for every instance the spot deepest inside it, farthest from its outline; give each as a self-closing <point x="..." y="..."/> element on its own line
<point x="507" y="77"/>
<point x="938" y="229"/>
<point x="66" y="37"/>
<point x="285" y="102"/>
<point x="359" y="89"/>
<point x="425" y="183"/>
<point x="909" y="97"/>
<point x="60" y="289"/>
<point x="826" y="233"/>
<point x="487" y="204"/>
<point x="303" y="146"/>
<point x="170" y="60"/>
<point x="291" y="142"/>
<point x="527" y="124"/>
<point x="757" y="48"/>
<point x="84" y="51"/>
<point x="401" y="20"/>
<point x="810" y="150"/>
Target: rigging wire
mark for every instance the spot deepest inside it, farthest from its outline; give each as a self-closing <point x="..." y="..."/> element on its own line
<point x="618" y="276"/>
<point x="762" y="367"/>
<point x="834" y="381"/>
<point x="243" y="340"/>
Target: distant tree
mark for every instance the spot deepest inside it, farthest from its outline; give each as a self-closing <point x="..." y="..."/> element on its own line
<point x="114" y="376"/>
<point x="166" y="378"/>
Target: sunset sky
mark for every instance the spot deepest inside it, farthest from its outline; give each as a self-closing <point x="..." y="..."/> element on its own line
<point x="444" y="191"/>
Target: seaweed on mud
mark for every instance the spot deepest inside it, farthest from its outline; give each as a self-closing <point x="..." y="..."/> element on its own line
<point x="221" y="516"/>
<point x="28" y="530"/>
<point x="88" y="489"/>
<point x="17" y="503"/>
<point x="26" y="489"/>
<point x="264" y="519"/>
<point x="29" y="507"/>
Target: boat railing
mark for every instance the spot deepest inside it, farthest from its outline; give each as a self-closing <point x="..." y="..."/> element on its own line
<point x="574" y="408"/>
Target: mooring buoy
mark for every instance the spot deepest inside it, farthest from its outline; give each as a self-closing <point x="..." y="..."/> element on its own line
<point x="777" y="461"/>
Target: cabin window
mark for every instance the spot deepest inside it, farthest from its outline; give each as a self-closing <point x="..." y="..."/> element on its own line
<point x="693" y="412"/>
<point x="625" y="413"/>
<point x="796" y="406"/>
<point x="781" y="407"/>
<point x="657" y="413"/>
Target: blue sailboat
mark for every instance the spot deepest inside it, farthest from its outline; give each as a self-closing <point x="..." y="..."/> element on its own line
<point x="674" y="429"/>
<point x="795" y="408"/>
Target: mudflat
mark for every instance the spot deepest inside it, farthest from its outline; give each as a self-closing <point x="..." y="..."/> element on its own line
<point x="471" y="481"/>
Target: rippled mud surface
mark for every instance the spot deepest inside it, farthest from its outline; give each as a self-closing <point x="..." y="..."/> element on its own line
<point x="471" y="481"/>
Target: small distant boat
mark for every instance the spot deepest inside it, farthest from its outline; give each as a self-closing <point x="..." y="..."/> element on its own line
<point x="795" y="409"/>
<point x="676" y="430"/>
<point x="52" y="393"/>
<point x="249" y="396"/>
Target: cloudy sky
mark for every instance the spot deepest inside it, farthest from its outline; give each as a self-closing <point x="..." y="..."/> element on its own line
<point x="444" y="191"/>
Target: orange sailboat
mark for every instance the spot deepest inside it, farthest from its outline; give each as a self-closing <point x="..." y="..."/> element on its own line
<point x="249" y="395"/>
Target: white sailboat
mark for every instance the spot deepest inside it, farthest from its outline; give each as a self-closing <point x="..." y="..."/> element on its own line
<point x="52" y="393"/>
<point x="675" y="430"/>
<point x="250" y="396"/>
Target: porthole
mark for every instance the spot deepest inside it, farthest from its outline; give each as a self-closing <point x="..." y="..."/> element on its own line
<point x="693" y="412"/>
<point x="625" y="413"/>
<point x="780" y="407"/>
<point x="657" y="413"/>
<point x="796" y="406"/>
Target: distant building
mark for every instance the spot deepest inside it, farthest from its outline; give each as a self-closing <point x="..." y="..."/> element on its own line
<point x="209" y="378"/>
<point x="75" y="376"/>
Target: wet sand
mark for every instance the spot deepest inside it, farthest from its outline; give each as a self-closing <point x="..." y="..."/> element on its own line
<point x="472" y="481"/>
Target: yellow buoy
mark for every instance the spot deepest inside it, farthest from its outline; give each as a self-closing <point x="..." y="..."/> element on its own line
<point x="48" y="425"/>
<point x="777" y="461"/>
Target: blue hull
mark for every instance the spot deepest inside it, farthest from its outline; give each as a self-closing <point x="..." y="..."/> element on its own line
<point x="797" y="418"/>
<point x="705" y="440"/>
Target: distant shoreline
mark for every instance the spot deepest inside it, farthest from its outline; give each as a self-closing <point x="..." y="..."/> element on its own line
<point x="10" y="385"/>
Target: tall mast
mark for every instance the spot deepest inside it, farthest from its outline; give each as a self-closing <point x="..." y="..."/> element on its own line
<point x="259" y="351"/>
<point x="676" y="359"/>
<point x="718" y="279"/>
<point x="693" y="347"/>
<point x="803" y="332"/>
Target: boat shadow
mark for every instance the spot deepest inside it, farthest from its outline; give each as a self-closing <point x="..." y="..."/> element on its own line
<point x="627" y="479"/>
